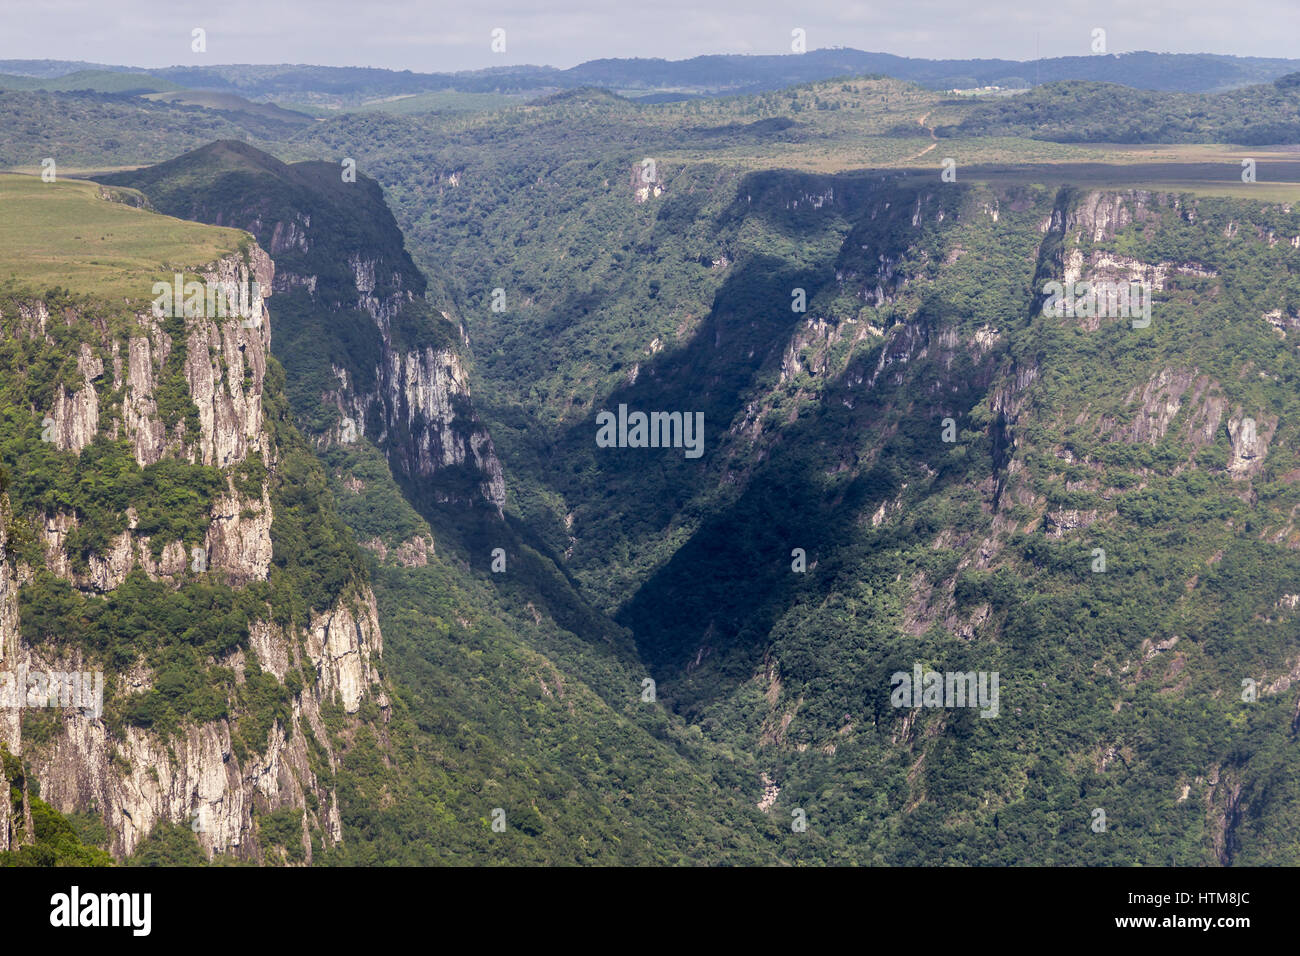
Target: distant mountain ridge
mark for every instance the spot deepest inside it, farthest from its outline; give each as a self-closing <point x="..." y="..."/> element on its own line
<point x="715" y="74"/>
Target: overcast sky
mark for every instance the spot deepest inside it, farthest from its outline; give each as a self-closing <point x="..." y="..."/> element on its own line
<point x="435" y="36"/>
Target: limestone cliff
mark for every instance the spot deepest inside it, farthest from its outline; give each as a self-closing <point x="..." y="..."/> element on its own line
<point x="425" y="416"/>
<point x="340" y="255"/>
<point x="198" y="774"/>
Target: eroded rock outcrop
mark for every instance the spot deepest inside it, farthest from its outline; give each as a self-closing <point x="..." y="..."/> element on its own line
<point x="195" y="775"/>
<point x="209" y="775"/>
<point x="339" y="252"/>
<point x="425" y="415"/>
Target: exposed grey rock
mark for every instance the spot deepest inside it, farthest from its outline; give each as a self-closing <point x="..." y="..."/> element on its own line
<point x="194" y="777"/>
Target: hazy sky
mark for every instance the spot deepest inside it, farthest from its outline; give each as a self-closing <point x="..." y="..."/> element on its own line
<point x="430" y="36"/>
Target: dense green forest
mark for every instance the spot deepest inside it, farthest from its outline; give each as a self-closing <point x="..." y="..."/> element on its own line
<point x="1108" y="113"/>
<point x="971" y="553"/>
<point x="907" y="463"/>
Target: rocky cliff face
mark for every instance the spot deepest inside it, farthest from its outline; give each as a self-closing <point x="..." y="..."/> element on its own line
<point x="425" y="417"/>
<point x="132" y="776"/>
<point x="141" y="778"/>
<point x="224" y="369"/>
<point x="13" y="827"/>
<point x="340" y="253"/>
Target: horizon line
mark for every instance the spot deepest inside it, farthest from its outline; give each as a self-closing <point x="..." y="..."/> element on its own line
<point x="123" y="67"/>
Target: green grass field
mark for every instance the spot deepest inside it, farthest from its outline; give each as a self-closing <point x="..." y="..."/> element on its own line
<point x="885" y="124"/>
<point x="440" y="100"/>
<point x="67" y="234"/>
<point x="229" y="103"/>
<point x="98" y="81"/>
<point x="1278" y="180"/>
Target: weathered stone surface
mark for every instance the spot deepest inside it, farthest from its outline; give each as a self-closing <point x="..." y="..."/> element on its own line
<point x="194" y="777"/>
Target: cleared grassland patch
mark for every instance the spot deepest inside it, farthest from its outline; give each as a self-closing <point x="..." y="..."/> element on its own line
<point x="68" y="234"/>
<point x="1278" y="179"/>
<point x="439" y="100"/>
<point x="1199" y="169"/>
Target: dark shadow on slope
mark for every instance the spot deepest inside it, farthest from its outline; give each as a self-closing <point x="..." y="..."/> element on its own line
<point x="321" y="231"/>
<point x="719" y="595"/>
<point x="743" y="335"/>
<point x="738" y="345"/>
<point x="702" y="622"/>
<point x="534" y="579"/>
